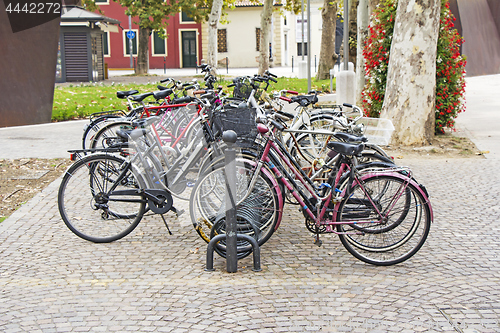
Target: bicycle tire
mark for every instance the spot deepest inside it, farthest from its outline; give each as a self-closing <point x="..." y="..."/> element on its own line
<point x="93" y="127"/>
<point x="400" y="236"/>
<point x="262" y="207"/>
<point x="89" y="210"/>
<point x="106" y="136"/>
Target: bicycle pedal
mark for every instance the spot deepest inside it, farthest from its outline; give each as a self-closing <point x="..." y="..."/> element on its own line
<point x="318" y="242"/>
<point x="177" y="212"/>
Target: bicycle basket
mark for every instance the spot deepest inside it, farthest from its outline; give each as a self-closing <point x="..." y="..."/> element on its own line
<point x="240" y="120"/>
<point x="243" y="89"/>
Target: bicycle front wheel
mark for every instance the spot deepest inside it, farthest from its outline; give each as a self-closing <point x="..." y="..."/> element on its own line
<point x="96" y="198"/>
<point x="385" y="221"/>
<point x="257" y="215"/>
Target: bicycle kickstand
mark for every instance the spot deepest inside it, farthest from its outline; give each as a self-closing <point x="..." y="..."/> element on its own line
<point x="318" y="242"/>
<point x="165" y="221"/>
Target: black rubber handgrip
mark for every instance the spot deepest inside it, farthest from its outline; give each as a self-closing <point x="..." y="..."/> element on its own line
<point x="274" y="80"/>
<point x="278" y="126"/>
<point x="271" y="74"/>
<point x="347" y="105"/>
<point x="286" y="114"/>
<point x="232" y="85"/>
<point x="165" y="80"/>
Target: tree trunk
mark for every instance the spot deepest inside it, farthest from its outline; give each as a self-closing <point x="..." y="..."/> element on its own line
<point x="265" y="32"/>
<point x="143" y="51"/>
<point x="213" y="20"/>
<point x="360" y="59"/>
<point x="327" y="55"/>
<point x="411" y="80"/>
<point x="353" y="30"/>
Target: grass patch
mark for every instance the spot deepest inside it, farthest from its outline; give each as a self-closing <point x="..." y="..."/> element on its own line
<point x="81" y="100"/>
<point x="3" y="218"/>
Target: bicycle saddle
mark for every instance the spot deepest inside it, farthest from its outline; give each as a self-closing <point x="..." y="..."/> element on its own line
<point x="125" y="94"/>
<point x="182" y="100"/>
<point x="346" y="148"/>
<point x="140" y="98"/>
<point x="351" y="138"/>
<point x="162" y="94"/>
<point x="123" y="134"/>
<point x="304" y="100"/>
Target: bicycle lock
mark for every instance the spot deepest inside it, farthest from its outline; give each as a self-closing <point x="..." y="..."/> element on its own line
<point x="231" y="235"/>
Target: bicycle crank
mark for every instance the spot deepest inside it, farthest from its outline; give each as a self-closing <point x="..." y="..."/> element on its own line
<point x="159" y="201"/>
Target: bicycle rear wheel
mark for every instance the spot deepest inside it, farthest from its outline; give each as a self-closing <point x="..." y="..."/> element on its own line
<point x="89" y="201"/>
<point x="107" y="136"/>
<point x="390" y="239"/>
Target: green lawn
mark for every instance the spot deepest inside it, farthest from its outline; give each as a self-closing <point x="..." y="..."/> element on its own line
<point x="79" y="101"/>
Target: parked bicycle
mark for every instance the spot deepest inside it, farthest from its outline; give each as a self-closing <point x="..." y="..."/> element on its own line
<point x="382" y="216"/>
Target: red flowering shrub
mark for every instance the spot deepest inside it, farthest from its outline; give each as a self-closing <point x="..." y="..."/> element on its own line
<point x="450" y="65"/>
<point x="376" y="53"/>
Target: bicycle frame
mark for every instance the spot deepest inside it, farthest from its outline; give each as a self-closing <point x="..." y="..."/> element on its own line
<point x="331" y="188"/>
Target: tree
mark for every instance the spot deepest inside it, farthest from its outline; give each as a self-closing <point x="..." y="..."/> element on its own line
<point x="362" y="35"/>
<point x="327" y="55"/>
<point x="149" y="15"/>
<point x="265" y="30"/>
<point x="353" y="30"/>
<point x="213" y="20"/>
<point x="411" y="79"/>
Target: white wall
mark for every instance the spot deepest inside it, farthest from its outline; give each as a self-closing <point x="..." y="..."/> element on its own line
<point x="293" y="35"/>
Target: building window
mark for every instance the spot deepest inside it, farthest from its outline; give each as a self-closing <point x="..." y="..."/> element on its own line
<point x="105" y="43"/>
<point x="102" y="2"/>
<point x="299" y="49"/>
<point x="185" y="18"/>
<point x="126" y="43"/>
<point x="257" y="39"/>
<point x="221" y="40"/>
<point x="159" y="44"/>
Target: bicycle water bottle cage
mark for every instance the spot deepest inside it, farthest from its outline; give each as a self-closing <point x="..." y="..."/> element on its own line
<point x="125" y="94"/>
<point x="162" y="94"/>
<point x="141" y="97"/>
<point x="351" y="138"/>
<point x="346" y="148"/>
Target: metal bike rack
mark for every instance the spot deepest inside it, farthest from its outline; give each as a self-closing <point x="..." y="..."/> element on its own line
<point x="231" y="235"/>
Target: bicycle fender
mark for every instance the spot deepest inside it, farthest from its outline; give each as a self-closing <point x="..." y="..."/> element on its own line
<point x="412" y="182"/>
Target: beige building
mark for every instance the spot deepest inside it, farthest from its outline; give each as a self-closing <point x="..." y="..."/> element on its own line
<point x="238" y="40"/>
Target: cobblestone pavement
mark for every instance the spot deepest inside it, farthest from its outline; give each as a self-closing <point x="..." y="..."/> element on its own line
<point x="52" y="281"/>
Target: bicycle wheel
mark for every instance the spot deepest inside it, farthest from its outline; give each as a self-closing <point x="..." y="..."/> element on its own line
<point x="392" y="238"/>
<point x="90" y="203"/>
<point x="107" y="137"/>
<point x="92" y="128"/>
<point x="257" y="215"/>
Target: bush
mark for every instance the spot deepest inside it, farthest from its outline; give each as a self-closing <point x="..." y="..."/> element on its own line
<point x="450" y="65"/>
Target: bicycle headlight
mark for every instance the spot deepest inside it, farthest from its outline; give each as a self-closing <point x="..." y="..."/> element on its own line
<point x="359" y="129"/>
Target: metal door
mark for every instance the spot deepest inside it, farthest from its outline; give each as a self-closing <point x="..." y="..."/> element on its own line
<point x="188" y="48"/>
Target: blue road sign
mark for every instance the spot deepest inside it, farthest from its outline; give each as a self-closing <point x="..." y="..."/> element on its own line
<point x="130" y="34"/>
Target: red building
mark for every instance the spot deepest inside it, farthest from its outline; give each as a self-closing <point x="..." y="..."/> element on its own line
<point x="181" y="48"/>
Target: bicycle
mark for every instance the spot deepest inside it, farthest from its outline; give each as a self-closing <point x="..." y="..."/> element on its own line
<point x="382" y="216"/>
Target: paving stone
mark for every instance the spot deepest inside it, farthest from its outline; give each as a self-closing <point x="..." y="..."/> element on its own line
<point x="51" y="280"/>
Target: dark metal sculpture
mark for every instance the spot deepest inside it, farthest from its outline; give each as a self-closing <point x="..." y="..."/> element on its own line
<point x="27" y="70"/>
